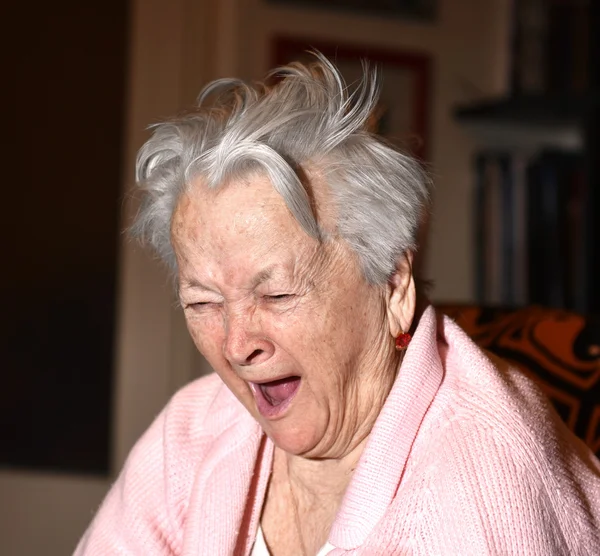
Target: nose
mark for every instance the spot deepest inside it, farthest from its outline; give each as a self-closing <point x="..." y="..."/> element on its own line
<point x="244" y="343"/>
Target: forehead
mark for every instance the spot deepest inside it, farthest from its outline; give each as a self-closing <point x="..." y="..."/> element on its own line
<point x="243" y="221"/>
<point x="241" y="206"/>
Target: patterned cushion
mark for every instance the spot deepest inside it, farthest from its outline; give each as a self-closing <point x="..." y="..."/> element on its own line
<point x="558" y="349"/>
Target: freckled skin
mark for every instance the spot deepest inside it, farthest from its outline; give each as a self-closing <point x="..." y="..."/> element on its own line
<point x="237" y="246"/>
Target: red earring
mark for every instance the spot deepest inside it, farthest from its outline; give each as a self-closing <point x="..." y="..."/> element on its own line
<point x="402" y="341"/>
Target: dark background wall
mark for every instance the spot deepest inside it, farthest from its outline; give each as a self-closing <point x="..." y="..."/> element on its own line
<point x="66" y="69"/>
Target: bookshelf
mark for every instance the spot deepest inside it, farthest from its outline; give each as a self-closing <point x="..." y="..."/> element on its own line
<point x="543" y="146"/>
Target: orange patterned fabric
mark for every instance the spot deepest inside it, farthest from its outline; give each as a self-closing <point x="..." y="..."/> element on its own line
<point x="558" y="349"/>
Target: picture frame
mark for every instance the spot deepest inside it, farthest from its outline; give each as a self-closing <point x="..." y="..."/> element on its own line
<point x="404" y="118"/>
<point x="425" y="10"/>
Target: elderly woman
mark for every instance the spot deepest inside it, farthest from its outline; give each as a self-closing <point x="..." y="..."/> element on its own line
<point x="344" y="416"/>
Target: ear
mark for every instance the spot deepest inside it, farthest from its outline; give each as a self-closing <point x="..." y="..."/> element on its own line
<point x="402" y="296"/>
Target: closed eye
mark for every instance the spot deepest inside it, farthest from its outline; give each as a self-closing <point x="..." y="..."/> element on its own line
<point x="199" y="305"/>
<point x="279" y="297"/>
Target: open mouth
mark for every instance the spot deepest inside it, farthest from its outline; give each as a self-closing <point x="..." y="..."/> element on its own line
<point x="273" y="397"/>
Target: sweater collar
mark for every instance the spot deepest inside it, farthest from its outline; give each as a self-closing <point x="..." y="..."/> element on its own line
<point x="381" y="466"/>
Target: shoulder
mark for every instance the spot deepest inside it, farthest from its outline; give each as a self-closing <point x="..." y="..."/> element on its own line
<point x="195" y="414"/>
<point x="493" y="446"/>
<point x="485" y="395"/>
<point x="186" y="419"/>
<point x="483" y="392"/>
<point x="489" y="393"/>
<point x="146" y="508"/>
<point x="200" y="410"/>
<point x="192" y="423"/>
<point x="183" y="433"/>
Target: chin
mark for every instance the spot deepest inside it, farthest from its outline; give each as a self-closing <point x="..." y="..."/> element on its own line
<point x="292" y="440"/>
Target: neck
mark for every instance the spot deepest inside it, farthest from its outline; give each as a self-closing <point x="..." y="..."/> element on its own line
<point x="319" y="480"/>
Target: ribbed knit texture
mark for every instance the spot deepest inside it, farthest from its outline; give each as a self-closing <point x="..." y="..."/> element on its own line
<point x="467" y="458"/>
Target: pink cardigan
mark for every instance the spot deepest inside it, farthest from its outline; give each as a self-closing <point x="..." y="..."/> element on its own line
<point x="466" y="458"/>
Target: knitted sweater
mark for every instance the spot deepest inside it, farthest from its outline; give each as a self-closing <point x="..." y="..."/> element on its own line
<point x="466" y="458"/>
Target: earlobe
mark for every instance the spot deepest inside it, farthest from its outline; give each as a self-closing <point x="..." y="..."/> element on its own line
<point x="402" y="297"/>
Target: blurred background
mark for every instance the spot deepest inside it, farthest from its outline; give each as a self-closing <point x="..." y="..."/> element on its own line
<point x="499" y="98"/>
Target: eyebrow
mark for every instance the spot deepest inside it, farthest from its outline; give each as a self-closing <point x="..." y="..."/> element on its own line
<point x="192" y="283"/>
<point x="259" y="278"/>
<point x="262" y="276"/>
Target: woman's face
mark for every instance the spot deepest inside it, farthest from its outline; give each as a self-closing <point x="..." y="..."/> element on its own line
<point x="289" y="324"/>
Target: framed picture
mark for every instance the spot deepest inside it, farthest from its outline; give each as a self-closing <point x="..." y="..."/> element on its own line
<point x="417" y="9"/>
<point x="403" y="114"/>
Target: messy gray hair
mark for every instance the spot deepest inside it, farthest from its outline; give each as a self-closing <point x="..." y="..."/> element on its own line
<point x="303" y="116"/>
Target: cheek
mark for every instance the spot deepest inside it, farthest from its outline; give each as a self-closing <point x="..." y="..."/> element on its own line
<point x="315" y="340"/>
<point x="345" y="334"/>
<point x="208" y="337"/>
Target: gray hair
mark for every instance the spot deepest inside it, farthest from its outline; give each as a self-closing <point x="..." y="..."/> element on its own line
<point x="306" y="118"/>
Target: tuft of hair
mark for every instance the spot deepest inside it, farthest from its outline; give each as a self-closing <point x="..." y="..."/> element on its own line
<point x="303" y="116"/>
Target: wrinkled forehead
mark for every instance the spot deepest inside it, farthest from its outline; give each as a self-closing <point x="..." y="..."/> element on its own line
<point x="256" y="190"/>
<point x="238" y="224"/>
<point x="241" y="206"/>
<point x="231" y="233"/>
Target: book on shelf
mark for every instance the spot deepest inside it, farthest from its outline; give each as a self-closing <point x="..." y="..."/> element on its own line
<point x="530" y="231"/>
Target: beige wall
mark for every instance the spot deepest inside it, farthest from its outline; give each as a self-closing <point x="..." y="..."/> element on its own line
<point x="176" y="46"/>
<point x="45" y="513"/>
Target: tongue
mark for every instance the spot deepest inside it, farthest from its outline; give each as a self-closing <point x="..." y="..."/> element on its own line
<point x="278" y="391"/>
